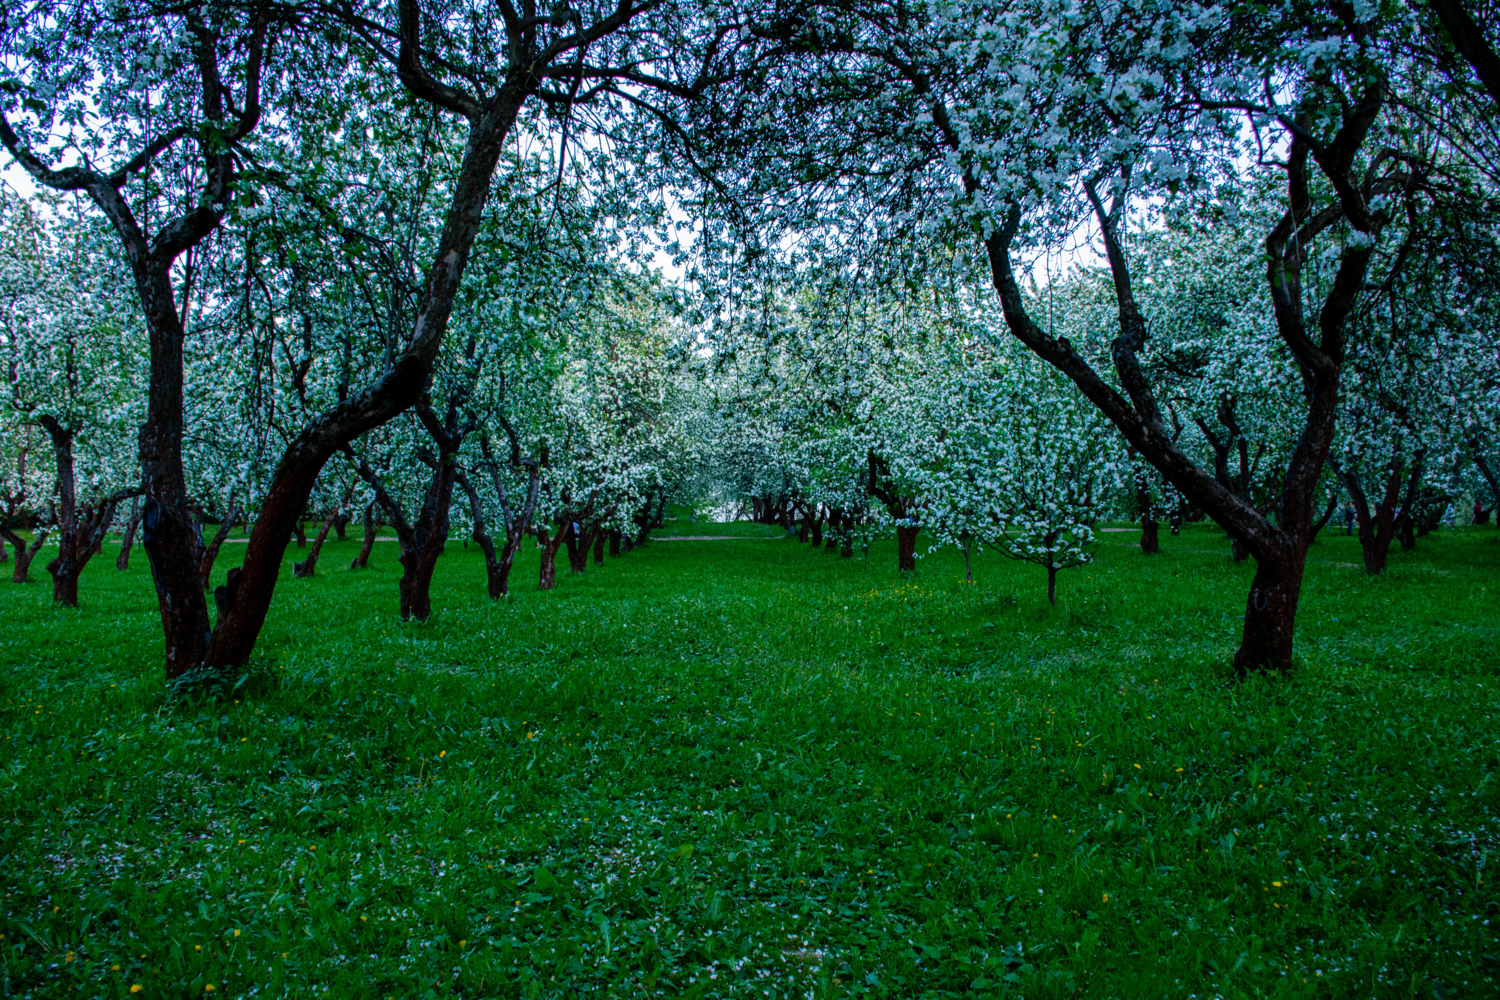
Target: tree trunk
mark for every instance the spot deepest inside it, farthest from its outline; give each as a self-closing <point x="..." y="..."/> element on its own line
<point x="507" y="560"/>
<point x="78" y="537"/>
<point x="305" y="569"/>
<point x="1404" y="532"/>
<point x="1051" y="584"/>
<point x="548" y="576"/>
<point x="598" y="546"/>
<point x="1150" y="538"/>
<point x="4" y="552"/>
<point x="24" y="553"/>
<point x="1409" y="504"/>
<point x="301" y="532"/>
<point x="577" y="553"/>
<point x="495" y="575"/>
<point x="211" y="551"/>
<point x="418" y="565"/>
<point x="817" y="531"/>
<point x="1377" y="527"/>
<point x="372" y="527"/>
<point x="906" y="548"/>
<point x="122" y="561"/>
<point x="614" y="542"/>
<point x="1468" y="38"/>
<point x="968" y="567"/>
<point x="1322" y="521"/>
<point x="1271" y="613"/>
<point x="340" y="523"/>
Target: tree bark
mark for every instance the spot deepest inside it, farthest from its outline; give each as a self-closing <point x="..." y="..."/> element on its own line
<point x="614" y="542"/>
<point x="495" y="575"/>
<point x="1483" y="465"/>
<point x="362" y="560"/>
<point x="1468" y="39"/>
<point x="211" y="551"/>
<point x="1150" y="539"/>
<point x="305" y="569"/>
<point x="1322" y="521"/>
<point x="122" y="561"/>
<point x="1409" y="503"/>
<point x="817" y="530"/>
<point x="1377" y="526"/>
<point x="300" y="530"/>
<point x="78" y="537"/>
<point x="1051" y="584"/>
<point x="906" y="548"/>
<point x="1270" y="613"/>
<point x="598" y="546"/>
<point x="548" y="575"/>
<point x="24" y="553"/>
<point x="577" y="551"/>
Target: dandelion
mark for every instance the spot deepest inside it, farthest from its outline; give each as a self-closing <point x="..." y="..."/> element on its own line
<point x="208" y="987"/>
<point x="1106" y="897"/>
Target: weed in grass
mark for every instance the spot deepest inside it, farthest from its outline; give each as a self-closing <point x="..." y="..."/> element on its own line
<point x="745" y="768"/>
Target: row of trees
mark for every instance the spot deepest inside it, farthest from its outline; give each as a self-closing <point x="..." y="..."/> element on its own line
<point x="371" y="257"/>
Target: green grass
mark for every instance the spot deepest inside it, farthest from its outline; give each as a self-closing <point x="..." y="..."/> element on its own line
<point x="734" y="769"/>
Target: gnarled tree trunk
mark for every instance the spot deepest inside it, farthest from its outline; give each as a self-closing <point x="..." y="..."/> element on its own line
<point x="122" y="561"/>
<point x="78" y="537"/>
<point x="308" y="567"/>
<point x="547" y="577"/>
<point x="1377" y="525"/>
<point x="211" y="550"/>
<point x="1278" y="548"/>
<point x="372" y="527"/>
<point x="20" y="573"/>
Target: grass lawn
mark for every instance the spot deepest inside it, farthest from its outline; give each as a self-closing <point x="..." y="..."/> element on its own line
<point x="744" y="768"/>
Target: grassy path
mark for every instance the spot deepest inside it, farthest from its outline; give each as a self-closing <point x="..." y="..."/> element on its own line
<point x="735" y="770"/>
